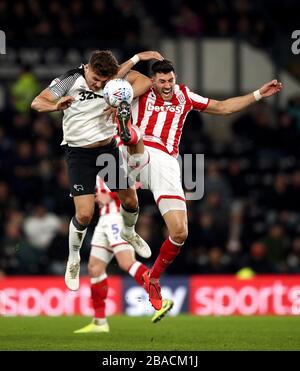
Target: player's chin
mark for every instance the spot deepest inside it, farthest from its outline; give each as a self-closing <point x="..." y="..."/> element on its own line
<point x="166" y="96"/>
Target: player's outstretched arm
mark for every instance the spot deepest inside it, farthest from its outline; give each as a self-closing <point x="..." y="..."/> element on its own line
<point x="46" y="102"/>
<point x="142" y="56"/>
<point x="232" y="105"/>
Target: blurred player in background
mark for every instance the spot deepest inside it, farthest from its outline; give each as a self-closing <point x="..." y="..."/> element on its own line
<point x="160" y="114"/>
<point x="106" y="244"/>
<point x="87" y="134"/>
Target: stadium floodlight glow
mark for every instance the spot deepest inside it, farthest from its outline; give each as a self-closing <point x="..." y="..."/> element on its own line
<point x="2" y="42"/>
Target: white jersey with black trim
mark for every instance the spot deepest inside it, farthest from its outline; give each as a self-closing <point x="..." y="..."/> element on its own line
<point x="84" y="122"/>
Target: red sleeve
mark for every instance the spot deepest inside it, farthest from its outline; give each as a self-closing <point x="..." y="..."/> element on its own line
<point x="198" y="102"/>
<point x="114" y="195"/>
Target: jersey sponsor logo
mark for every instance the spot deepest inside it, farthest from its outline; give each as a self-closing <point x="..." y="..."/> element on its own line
<point x="169" y="108"/>
<point x="88" y="95"/>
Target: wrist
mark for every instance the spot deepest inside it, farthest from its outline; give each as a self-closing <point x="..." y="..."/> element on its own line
<point x="135" y="59"/>
<point x="257" y="95"/>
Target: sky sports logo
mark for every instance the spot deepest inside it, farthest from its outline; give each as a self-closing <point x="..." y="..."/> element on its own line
<point x="198" y="295"/>
<point x="2" y="42"/>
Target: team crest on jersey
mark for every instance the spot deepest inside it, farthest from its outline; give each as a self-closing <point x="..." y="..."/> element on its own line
<point x="152" y="95"/>
<point x="180" y="96"/>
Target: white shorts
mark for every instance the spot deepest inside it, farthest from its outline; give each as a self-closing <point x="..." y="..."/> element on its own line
<point x="106" y="239"/>
<point x="162" y="176"/>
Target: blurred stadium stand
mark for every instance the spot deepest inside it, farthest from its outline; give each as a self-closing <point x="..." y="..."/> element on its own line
<point x="250" y="214"/>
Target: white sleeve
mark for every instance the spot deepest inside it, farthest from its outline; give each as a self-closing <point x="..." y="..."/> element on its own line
<point x="60" y="86"/>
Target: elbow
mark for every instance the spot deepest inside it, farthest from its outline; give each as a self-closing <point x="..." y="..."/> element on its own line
<point x="35" y="105"/>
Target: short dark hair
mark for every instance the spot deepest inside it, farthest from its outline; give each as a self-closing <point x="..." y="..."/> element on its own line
<point x="104" y="63"/>
<point x="163" y="66"/>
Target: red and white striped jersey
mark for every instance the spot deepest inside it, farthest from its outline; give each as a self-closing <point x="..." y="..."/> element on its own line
<point x="161" y="122"/>
<point x="114" y="205"/>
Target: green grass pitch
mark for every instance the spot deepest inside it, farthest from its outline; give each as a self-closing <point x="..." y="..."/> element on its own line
<point x="184" y="332"/>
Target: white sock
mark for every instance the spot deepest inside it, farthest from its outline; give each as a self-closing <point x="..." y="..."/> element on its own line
<point x="129" y="220"/>
<point x="75" y="242"/>
<point x="100" y="278"/>
<point x="136" y="163"/>
<point x="133" y="269"/>
<point x="138" y="160"/>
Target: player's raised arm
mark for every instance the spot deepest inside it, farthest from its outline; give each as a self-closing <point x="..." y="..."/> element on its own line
<point x="142" y="56"/>
<point x="232" y="105"/>
<point x="46" y="102"/>
<point x="56" y="96"/>
<point x="140" y="83"/>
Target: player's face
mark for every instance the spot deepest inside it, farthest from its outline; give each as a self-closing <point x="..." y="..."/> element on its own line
<point x="94" y="81"/>
<point x="164" y="84"/>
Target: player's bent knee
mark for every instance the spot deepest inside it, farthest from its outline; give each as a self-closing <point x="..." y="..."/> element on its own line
<point x="84" y="217"/>
<point x="130" y="203"/>
<point x="179" y="235"/>
<point x="95" y="270"/>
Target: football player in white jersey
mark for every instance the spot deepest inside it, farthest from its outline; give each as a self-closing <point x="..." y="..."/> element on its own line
<point x="88" y="137"/>
<point x="106" y="244"/>
<point x="159" y="114"/>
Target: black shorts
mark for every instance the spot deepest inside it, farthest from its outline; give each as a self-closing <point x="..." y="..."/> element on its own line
<point x="85" y="163"/>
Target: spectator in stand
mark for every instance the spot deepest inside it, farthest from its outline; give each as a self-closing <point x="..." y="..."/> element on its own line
<point x="56" y="250"/>
<point x="187" y="23"/>
<point x="12" y="243"/>
<point x="257" y="259"/>
<point x="39" y="229"/>
<point x="293" y="258"/>
<point x="24" y="90"/>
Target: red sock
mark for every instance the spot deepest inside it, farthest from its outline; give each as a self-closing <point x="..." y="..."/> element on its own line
<point x="134" y="133"/>
<point x="99" y="295"/>
<point x="167" y="254"/>
<point x="136" y="271"/>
